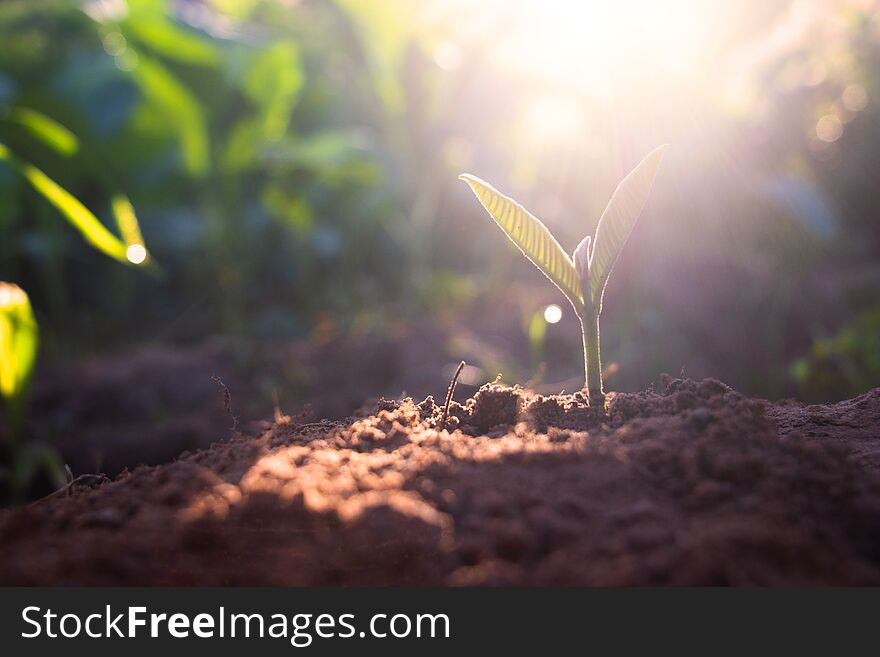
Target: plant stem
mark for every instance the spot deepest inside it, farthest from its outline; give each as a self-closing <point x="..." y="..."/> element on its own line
<point x="592" y="362"/>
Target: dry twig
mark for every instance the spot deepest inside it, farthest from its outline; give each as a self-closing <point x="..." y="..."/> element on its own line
<point x="449" y="392"/>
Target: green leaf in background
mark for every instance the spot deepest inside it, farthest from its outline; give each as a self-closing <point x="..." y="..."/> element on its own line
<point x="126" y="220"/>
<point x="47" y="130"/>
<point x="531" y="236"/>
<point x="130" y="230"/>
<point x="19" y="338"/>
<point x="161" y="35"/>
<point x="332" y="153"/>
<point x="618" y="220"/>
<point x="178" y="108"/>
<point x="387" y="28"/>
<point x="272" y="82"/>
<point x="94" y="232"/>
<point x="242" y="146"/>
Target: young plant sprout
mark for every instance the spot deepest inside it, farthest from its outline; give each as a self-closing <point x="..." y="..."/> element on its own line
<point x="582" y="279"/>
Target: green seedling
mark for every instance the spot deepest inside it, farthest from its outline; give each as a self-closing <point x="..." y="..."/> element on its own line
<point x="583" y="277"/>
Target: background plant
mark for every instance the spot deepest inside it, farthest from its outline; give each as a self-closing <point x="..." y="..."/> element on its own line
<point x="19" y="338"/>
<point x="21" y="461"/>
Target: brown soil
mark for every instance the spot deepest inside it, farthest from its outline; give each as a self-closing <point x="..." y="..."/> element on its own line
<point x="695" y="485"/>
<point x="146" y="405"/>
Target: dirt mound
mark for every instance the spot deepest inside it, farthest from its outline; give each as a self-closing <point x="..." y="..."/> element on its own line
<point x="695" y="485"/>
<point x="147" y="404"/>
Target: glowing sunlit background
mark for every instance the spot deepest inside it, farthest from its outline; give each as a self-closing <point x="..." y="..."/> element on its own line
<point x="293" y="164"/>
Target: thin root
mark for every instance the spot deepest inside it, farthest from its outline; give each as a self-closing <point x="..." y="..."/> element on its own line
<point x="74" y="483"/>
<point x="227" y="405"/>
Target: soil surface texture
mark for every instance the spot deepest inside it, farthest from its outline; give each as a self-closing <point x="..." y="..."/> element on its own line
<point x="692" y="485"/>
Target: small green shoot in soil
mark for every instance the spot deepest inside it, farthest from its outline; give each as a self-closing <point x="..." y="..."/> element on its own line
<point x="582" y="279"/>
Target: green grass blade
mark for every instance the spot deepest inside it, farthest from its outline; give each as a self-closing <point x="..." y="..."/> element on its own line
<point x="618" y="220"/>
<point x="126" y="220"/>
<point x="19" y="338"/>
<point x="94" y="232"/>
<point x="130" y="230"/>
<point x="531" y="236"/>
<point x="47" y="130"/>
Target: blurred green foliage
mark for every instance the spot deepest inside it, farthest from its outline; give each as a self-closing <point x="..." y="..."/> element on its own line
<point x="292" y="163"/>
<point x="21" y="462"/>
<point x="193" y="122"/>
<point x="75" y="212"/>
<point x="19" y="338"/>
<point x="843" y="365"/>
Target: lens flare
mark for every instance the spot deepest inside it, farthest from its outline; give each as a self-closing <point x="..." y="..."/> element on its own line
<point x="829" y="128"/>
<point x="136" y="254"/>
<point x="855" y="98"/>
<point x="552" y="313"/>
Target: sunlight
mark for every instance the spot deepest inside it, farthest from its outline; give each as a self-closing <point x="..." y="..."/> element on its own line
<point x="598" y="46"/>
<point x="447" y="55"/>
<point x="551" y="118"/>
<point x="582" y="63"/>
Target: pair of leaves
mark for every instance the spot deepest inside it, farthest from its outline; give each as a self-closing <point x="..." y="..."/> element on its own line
<point x="583" y="279"/>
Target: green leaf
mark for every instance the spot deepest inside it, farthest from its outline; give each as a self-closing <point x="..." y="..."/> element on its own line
<point x="47" y="130"/>
<point x="19" y="338"/>
<point x="243" y="145"/>
<point x="531" y="236"/>
<point x="170" y="100"/>
<point x="130" y="230"/>
<point x="273" y="81"/>
<point x="618" y="220"/>
<point x="94" y="232"/>
<point x="126" y="220"/>
<point x="162" y="36"/>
